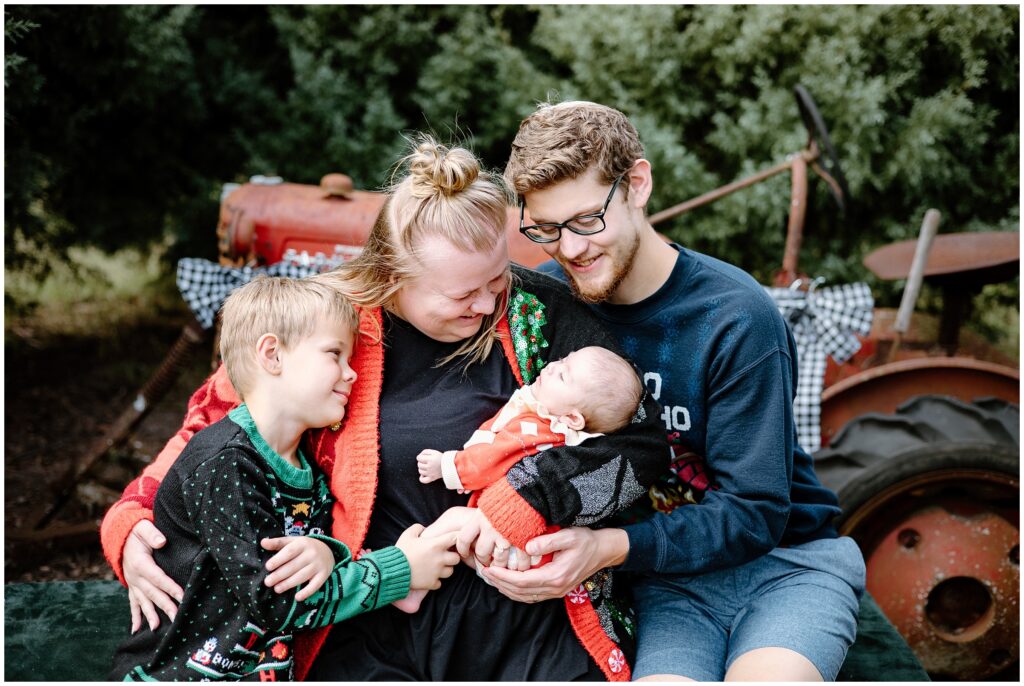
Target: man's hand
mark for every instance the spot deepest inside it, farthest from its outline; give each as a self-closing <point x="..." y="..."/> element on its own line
<point x="578" y="553"/>
<point x="429" y="464"/>
<point x="300" y="559"/>
<point x="148" y="586"/>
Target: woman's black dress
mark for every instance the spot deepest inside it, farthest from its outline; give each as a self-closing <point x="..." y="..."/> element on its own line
<point x="466" y="630"/>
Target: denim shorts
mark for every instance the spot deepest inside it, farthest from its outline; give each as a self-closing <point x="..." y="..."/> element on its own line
<point x="804" y="598"/>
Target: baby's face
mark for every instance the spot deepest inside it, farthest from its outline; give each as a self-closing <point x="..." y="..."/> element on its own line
<point x="562" y="385"/>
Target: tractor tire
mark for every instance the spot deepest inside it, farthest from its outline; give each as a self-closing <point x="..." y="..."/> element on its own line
<point x="931" y="495"/>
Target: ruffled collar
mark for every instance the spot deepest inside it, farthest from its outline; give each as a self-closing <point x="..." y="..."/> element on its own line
<point x="523" y="401"/>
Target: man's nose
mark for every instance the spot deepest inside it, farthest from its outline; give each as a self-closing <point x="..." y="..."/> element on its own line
<point x="571" y="245"/>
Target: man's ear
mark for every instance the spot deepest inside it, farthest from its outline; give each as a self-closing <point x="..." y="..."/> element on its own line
<point x="574" y="420"/>
<point x="640" y="183"/>
<point x="268" y="353"/>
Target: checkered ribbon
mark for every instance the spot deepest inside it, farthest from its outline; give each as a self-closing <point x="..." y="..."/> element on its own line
<point x="824" y="322"/>
<point x="205" y="285"/>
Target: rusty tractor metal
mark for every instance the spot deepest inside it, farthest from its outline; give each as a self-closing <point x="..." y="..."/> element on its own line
<point x="262" y="224"/>
<point x="956" y="605"/>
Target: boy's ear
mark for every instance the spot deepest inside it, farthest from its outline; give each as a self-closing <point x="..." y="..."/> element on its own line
<point x="268" y="353"/>
<point x="574" y="420"/>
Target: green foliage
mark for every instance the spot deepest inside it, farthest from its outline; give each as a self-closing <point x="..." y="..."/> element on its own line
<point x="921" y="103"/>
<point x="123" y="122"/>
<point x="14" y="29"/>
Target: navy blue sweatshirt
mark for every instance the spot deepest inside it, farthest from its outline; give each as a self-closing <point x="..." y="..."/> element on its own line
<point x="721" y="361"/>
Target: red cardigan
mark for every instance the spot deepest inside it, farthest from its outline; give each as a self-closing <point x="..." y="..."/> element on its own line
<point x="351" y="458"/>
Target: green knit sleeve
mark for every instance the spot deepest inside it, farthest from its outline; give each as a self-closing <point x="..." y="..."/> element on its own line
<point x="384" y="574"/>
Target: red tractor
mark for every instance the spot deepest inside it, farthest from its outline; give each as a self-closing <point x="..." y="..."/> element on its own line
<point x="922" y="444"/>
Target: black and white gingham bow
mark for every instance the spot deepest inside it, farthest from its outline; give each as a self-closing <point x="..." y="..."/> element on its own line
<point x="205" y="285"/>
<point x="824" y="322"/>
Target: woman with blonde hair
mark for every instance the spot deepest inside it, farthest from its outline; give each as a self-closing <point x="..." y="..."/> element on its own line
<point x="449" y="330"/>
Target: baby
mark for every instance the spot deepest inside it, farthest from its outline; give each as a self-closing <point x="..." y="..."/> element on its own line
<point x="590" y="392"/>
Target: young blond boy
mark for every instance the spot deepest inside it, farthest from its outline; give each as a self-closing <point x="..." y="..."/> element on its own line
<point x="244" y="481"/>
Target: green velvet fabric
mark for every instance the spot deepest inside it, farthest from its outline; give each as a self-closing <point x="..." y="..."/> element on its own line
<point x="879" y="653"/>
<point x="63" y="630"/>
<point x="68" y="631"/>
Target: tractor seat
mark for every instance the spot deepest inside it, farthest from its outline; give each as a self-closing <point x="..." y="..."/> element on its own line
<point x="977" y="258"/>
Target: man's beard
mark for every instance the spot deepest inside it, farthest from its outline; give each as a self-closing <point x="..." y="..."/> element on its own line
<point x="620" y="270"/>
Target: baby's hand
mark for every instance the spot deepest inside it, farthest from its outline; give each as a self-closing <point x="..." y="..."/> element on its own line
<point x="300" y="559"/>
<point x="429" y="463"/>
<point x="430" y="557"/>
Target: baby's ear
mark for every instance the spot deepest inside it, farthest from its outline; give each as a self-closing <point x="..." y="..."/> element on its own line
<point x="268" y="349"/>
<point x="574" y="420"/>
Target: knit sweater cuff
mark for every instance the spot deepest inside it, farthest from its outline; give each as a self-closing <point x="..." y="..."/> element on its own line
<point x="643" y="547"/>
<point x="395" y="574"/>
<point x="340" y="551"/>
<point x="118" y="528"/>
<point x="510" y="514"/>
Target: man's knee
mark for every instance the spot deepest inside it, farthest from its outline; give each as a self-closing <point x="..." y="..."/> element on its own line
<point x="772" y="664"/>
<point x="665" y="677"/>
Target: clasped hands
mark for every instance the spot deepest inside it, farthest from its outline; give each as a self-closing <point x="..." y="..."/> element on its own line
<point x="577" y="553"/>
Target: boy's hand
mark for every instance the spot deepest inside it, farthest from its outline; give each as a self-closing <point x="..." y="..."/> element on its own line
<point x="430" y="557"/>
<point x="300" y="559"/>
<point x="429" y="463"/>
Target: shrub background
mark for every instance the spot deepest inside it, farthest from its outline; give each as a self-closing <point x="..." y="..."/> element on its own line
<point x="123" y="122"/>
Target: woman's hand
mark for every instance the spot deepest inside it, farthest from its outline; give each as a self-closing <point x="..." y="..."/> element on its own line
<point x="148" y="586"/>
<point x="478" y="539"/>
<point x="451" y="520"/>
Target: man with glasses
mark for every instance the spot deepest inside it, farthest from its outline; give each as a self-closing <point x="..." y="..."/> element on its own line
<point x="752" y="582"/>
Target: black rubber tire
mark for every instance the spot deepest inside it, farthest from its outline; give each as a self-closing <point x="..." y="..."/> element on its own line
<point x="929" y="433"/>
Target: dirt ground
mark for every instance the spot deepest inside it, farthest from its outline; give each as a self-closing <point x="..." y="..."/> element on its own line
<point x="61" y="394"/>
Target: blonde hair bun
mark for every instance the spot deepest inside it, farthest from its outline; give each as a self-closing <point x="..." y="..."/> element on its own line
<point x="435" y="168"/>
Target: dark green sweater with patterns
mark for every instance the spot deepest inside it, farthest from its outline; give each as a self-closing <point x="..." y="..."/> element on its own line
<point x="226" y="492"/>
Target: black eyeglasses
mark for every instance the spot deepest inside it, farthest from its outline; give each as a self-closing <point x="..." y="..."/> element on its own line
<point x="583" y="225"/>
